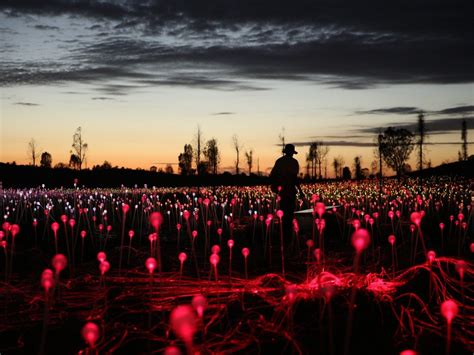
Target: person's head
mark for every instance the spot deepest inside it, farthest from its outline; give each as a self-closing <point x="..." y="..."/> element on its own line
<point x="289" y="150"/>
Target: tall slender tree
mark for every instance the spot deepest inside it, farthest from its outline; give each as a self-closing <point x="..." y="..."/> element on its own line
<point x="237" y="147"/>
<point x="79" y="148"/>
<point x="212" y="154"/>
<point x="464" y="139"/>
<point x="33" y="151"/>
<point x="249" y="157"/>
<point x="197" y="151"/>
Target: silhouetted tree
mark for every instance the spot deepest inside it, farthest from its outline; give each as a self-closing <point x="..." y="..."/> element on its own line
<point x="203" y="168"/>
<point x="186" y="160"/>
<point x="169" y="169"/>
<point x="74" y="161"/>
<point x="357" y="168"/>
<point x="396" y="146"/>
<point x="421" y="139"/>
<point x="322" y="152"/>
<point x="464" y="139"/>
<point x="212" y="154"/>
<point x="249" y="158"/>
<point x="281" y="137"/>
<point x="79" y="147"/>
<point x="346" y="173"/>
<point x="33" y="151"/>
<point x="337" y="164"/>
<point x="61" y="166"/>
<point x="46" y="160"/>
<point x="312" y="158"/>
<point x="235" y="143"/>
<point x="198" y="151"/>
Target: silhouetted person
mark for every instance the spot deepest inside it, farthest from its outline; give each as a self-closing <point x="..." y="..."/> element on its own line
<point x="284" y="180"/>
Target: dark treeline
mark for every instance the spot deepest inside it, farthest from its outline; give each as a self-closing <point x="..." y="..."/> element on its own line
<point x="12" y="175"/>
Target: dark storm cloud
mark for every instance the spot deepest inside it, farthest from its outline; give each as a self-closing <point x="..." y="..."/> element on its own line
<point x="338" y="144"/>
<point x="392" y="110"/>
<point x="456" y="110"/>
<point x="344" y="44"/>
<point x="26" y="104"/>
<point x="46" y="27"/>
<point x="436" y="126"/>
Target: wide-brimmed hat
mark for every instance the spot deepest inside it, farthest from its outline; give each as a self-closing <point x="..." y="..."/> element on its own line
<point x="290" y="149"/>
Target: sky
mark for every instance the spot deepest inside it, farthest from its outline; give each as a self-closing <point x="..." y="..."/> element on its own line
<point x="140" y="76"/>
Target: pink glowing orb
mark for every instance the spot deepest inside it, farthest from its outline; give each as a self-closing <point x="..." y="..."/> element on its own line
<point x="125" y="208"/>
<point x="460" y="217"/>
<point x="199" y="303"/>
<point x="104" y="266"/>
<point x="392" y="239"/>
<point x="83" y="234"/>
<point x="215" y="249"/>
<point x="461" y="267"/>
<point x="109" y="228"/>
<point x="441" y="226"/>
<point x="72" y="222"/>
<point x="150" y="264"/>
<point x="90" y="333"/>
<point x="178" y="226"/>
<point x="101" y="227"/>
<point x="209" y="223"/>
<point x="6" y="226"/>
<point x="412" y="228"/>
<point x="309" y="243"/>
<point x="245" y="252"/>
<point x="2" y="235"/>
<point x="415" y="217"/>
<point x="194" y="233"/>
<point x="219" y="231"/>
<point x="391" y="214"/>
<point x="356" y="224"/>
<point x="186" y="214"/>
<point x="449" y="310"/>
<point x="408" y="352"/>
<point x="55" y="226"/>
<point x="320" y="208"/>
<point x="47" y="281"/>
<point x="360" y="239"/>
<point x="322" y="224"/>
<point x="3" y="244"/>
<point x="101" y="256"/>
<point x="156" y="219"/>
<point x="59" y="262"/>
<point x="35" y="223"/>
<point x="183" y="322"/>
<point x="14" y="229"/>
<point x="63" y="218"/>
<point x="131" y="234"/>
<point x="182" y="257"/>
<point x="214" y="259"/>
<point x="317" y="254"/>
<point x="279" y="214"/>
<point x="431" y="255"/>
<point x="206" y="202"/>
<point x="472" y="247"/>
<point x="172" y="350"/>
<point x="230" y="243"/>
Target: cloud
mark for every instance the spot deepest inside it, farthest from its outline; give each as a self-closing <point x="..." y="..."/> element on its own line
<point x="234" y="45"/>
<point x="103" y="98"/>
<point x="436" y="126"/>
<point x="340" y="143"/>
<point x="456" y="110"/>
<point x="222" y="113"/>
<point x="391" y="110"/>
<point x="46" y="27"/>
<point x="26" y="104"/>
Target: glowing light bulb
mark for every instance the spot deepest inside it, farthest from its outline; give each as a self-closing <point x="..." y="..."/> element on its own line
<point x="215" y="249"/>
<point x="101" y="256"/>
<point x="150" y="264"/>
<point x="199" y="303"/>
<point x="90" y="333"/>
<point x="104" y="266"/>
<point x="214" y="259"/>
<point x="449" y="310"/>
<point x="245" y="252"/>
<point x="59" y="262"/>
<point x="230" y="243"/>
<point x="360" y="239"/>
<point x="182" y="257"/>
<point x="391" y="239"/>
<point x="183" y="322"/>
<point x="55" y="226"/>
